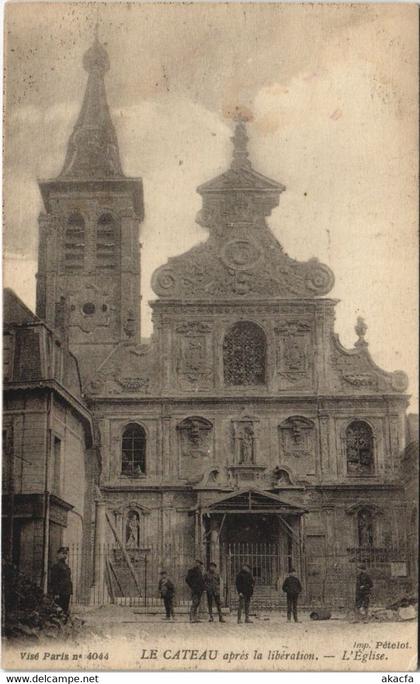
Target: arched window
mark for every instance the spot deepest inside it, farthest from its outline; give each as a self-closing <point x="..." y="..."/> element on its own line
<point x="133" y="451"/>
<point x="365" y="528"/>
<point x="359" y="448"/>
<point x="106" y="242"/>
<point x="74" y="243"/>
<point x="244" y="352"/>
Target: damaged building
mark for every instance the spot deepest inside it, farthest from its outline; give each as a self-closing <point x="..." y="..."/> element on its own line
<point x="242" y="431"/>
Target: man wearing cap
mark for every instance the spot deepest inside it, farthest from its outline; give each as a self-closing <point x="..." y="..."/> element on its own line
<point x="195" y="581"/>
<point x="166" y="590"/>
<point x="245" y="587"/>
<point x="212" y="582"/>
<point x="364" y="586"/>
<point x="292" y="588"/>
<point x="61" y="586"/>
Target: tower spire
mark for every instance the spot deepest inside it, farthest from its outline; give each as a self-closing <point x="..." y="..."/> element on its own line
<point x="240" y="145"/>
<point x="92" y="150"/>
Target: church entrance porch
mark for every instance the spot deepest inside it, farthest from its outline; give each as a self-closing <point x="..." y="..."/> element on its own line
<point x="259" y="529"/>
<point x="258" y="541"/>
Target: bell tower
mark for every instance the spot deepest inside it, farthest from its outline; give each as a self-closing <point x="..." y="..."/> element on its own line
<point x="88" y="282"/>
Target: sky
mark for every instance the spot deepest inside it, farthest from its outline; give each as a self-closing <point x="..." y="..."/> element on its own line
<point x="332" y="90"/>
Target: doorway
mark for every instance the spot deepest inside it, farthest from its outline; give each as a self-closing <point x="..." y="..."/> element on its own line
<point x="260" y="541"/>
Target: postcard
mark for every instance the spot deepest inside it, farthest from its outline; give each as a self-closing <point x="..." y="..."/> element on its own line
<point x="210" y="420"/>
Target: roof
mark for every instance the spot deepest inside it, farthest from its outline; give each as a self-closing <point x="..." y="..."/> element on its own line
<point x="253" y="500"/>
<point x="92" y="150"/>
<point x="35" y="356"/>
<point x="241" y="175"/>
<point x="246" y="179"/>
<point x="15" y="311"/>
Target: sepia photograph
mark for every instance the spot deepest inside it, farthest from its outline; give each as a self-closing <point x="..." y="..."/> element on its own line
<point x="210" y="321"/>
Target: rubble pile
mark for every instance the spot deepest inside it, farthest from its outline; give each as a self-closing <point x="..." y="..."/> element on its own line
<point x="403" y="608"/>
<point x="28" y="613"/>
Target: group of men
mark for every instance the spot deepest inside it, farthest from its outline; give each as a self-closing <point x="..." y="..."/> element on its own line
<point x="209" y="582"/>
<point x="198" y="583"/>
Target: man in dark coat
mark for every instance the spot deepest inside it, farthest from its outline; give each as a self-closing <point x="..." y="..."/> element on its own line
<point x="212" y="582"/>
<point x="245" y="587"/>
<point x="292" y="587"/>
<point x="195" y="581"/>
<point x="61" y="586"/>
<point x="167" y="592"/>
<point x="364" y="586"/>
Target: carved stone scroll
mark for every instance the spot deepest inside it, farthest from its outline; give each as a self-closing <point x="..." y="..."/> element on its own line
<point x="296" y="436"/>
<point x="193" y="349"/>
<point x="294" y="353"/>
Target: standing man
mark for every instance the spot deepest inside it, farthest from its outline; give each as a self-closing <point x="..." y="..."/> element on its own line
<point x="61" y="586"/>
<point x="195" y="581"/>
<point x="212" y="582"/>
<point x="364" y="586"/>
<point x="292" y="587"/>
<point x="245" y="587"/>
<point x="167" y="592"/>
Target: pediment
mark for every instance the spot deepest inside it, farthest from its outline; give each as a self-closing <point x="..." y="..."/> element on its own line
<point x="356" y="370"/>
<point x="241" y="259"/>
<point x="130" y="369"/>
<point x="240" y="179"/>
<point x="253" y="500"/>
<point x="249" y="265"/>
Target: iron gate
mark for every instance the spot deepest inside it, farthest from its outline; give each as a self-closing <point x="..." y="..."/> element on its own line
<point x="268" y="565"/>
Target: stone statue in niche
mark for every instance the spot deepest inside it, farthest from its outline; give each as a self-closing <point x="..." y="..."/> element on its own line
<point x="132" y="531"/>
<point x="364" y="528"/>
<point x="195" y="434"/>
<point x="246" y="445"/>
<point x="296" y="435"/>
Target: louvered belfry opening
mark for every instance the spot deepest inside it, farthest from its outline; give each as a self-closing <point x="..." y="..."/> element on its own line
<point x="106" y="242"/>
<point x="74" y="243"/>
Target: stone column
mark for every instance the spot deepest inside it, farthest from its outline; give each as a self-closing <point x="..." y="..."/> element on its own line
<point x="169" y="468"/>
<point x="214" y="541"/>
<point x="197" y="533"/>
<point x="130" y="277"/>
<point x="100" y="511"/>
<point x="50" y="253"/>
<point x="218" y="333"/>
<point x="168" y="350"/>
<point x="327" y="466"/>
<point x="302" y="564"/>
<point x="90" y="215"/>
<point x="271" y="375"/>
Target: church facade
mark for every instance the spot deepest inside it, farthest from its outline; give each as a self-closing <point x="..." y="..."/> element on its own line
<point x="242" y="430"/>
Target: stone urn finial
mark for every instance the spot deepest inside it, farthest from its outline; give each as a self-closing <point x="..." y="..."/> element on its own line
<point x="361" y="329"/>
